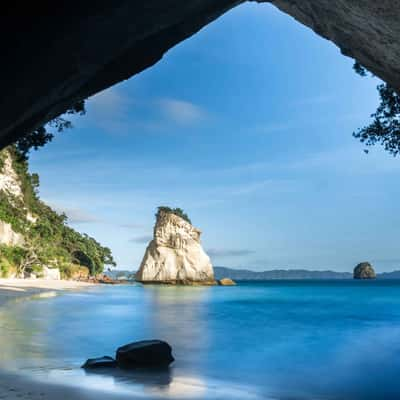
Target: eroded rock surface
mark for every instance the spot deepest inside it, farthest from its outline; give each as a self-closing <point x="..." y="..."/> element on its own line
<point x="367" y="30"/>
<point x="9" y="181"/>
<point x="8" y="236"/>
<point x="175" y="254"/>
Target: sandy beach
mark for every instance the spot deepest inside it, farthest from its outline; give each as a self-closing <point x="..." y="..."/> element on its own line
<point x="20" y="288"/>
<point x="19" y="386"/>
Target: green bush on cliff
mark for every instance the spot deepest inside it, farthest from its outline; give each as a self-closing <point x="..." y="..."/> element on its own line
<point x="177" y="211"/>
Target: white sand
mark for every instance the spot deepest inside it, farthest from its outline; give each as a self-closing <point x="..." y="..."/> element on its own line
<point x="19" y="288"/>
<point x="20" y="387"/>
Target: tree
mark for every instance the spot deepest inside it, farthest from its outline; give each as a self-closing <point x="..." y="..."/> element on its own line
<point x="385" y="127"/>
<point x="29" y="257"/>
<point x="40" y="136"/>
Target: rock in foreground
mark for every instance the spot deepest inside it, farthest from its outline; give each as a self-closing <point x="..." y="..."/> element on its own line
<point x="100" y="362"/>
<point x="145" y="354"/>
<point x="226" y="282"/>
<point x="364" y="270"/>
<point x="175" y="255"/>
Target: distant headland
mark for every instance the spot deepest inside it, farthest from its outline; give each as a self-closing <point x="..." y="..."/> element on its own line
<point x="247" y="274"/>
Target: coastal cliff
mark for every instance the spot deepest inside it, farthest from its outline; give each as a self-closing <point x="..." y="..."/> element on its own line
<point x="36" y="241"/>
<point x="175" y="254"/>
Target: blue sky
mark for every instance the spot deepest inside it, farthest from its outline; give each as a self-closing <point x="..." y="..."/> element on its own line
<point x="246" y="126"/>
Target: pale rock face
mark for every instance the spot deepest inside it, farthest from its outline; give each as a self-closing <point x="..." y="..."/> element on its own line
<point x="9" y="181"/>
<point x="31" y="218"/>
<point x="51" y="274"/>
<point x="175" y="254"/>
<point x="8" y="236"/>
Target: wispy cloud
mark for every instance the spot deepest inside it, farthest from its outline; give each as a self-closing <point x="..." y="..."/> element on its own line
<point x="141" y="239"/>
<point x="109" y="110"/>
<point x="132" y="226"/>
<point x="75" y="215"/>
<point x="220" y="253"/>
<point x="181" y="112"/>
<point x="110" y="103"/>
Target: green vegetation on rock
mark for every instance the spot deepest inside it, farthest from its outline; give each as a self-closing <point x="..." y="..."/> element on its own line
<point x="177" y="211"/>
<point x="48" y="240"/>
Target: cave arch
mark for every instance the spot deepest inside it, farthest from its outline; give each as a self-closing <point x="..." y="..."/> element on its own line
<point x="53" y="60"/>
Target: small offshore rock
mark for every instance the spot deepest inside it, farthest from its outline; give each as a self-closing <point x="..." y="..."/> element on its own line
<point x="364" y="270"/>
<point x="99" y="362"/>
<point x="226" y="282"/>
<point x="144" y="354"/>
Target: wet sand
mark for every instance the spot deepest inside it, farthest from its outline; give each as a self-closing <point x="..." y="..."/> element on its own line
<point x="22" y="387"/>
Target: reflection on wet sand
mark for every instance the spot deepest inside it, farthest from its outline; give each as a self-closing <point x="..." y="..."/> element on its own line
<point x="179" y="317"/>
<point x="161" y="384"/>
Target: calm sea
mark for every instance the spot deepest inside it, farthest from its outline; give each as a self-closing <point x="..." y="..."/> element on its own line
<point x="275" y="339"/>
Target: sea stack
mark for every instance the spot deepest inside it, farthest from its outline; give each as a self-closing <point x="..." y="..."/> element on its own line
<point x="175" y="254"/>
<point x="364" y="270"/>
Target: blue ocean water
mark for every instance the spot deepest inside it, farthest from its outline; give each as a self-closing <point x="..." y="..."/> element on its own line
<point x="275" y="339"/>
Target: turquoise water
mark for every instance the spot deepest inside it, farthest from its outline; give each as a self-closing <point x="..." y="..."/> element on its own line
<point x="276" y="339"/>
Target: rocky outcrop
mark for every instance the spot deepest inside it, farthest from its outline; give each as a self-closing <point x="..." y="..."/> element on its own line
<point x="226" y="282"/>
<point x="9" y="181"/>
<point x="175" y="254"/>
<point x="76" y="55"/>
<point x="99" y="362"/>
<point x="51" y="274"/>
<point x="366" y="30"/>
<point x="364" y="270"/>
<point x="8" y="236"/>
<point x="144" y="354"/>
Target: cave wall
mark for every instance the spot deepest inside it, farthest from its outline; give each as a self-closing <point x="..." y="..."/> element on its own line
<point x="367" y="30"/>
<point x="67" y="51"/>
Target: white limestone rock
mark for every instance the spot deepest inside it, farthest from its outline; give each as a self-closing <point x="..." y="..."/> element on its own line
<point x="8" y="236"/>
<point x="175" y="254"/>
<point x="51" y="274"/>
<point x="9" y="181"/>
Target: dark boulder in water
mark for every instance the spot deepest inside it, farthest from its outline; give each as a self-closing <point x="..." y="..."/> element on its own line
<point x="100" y="362"/>
<point x="364" y="270"/>
<point x="145" y="354"/>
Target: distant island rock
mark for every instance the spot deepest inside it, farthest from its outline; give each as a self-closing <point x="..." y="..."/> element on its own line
<point x="175" y="254"/>
<point x="364" y="270"/>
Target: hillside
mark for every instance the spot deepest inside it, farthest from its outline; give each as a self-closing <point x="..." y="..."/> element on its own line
<point x="248" y="275"/>
<point x="245" y="274"/>
<point x="33" y="237"/>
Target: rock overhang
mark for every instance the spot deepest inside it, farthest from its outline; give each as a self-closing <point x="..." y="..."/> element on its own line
<point x="53" y="58"/>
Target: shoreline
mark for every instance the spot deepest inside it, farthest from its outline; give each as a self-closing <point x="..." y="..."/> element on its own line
<point x="19" y="289"/>
<point x="21" y="386"/>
